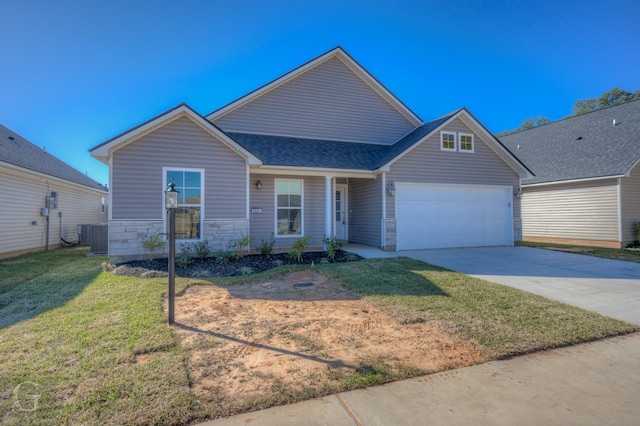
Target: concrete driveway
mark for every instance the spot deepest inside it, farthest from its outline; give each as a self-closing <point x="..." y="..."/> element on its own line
<point x="609" y="287"/>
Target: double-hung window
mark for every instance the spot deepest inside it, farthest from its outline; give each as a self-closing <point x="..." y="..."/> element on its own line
<point x="289" y="207"/>
<point x="190" y="184"/>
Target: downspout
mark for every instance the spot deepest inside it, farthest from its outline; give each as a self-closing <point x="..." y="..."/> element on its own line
<point x="383" y="226"/>
<point x="619" y="184"/>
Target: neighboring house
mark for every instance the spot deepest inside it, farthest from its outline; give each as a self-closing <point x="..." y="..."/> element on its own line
<point x="323" y="150"/>
<point x="32" y="180"/>
<point x="586" y="188"/>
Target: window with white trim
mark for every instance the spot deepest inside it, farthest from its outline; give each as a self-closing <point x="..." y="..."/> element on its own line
<point x="289" y="207"/>
<point x="190" y="184"/>
<point x="447" y="141"/>
<point x="465" y="142"/>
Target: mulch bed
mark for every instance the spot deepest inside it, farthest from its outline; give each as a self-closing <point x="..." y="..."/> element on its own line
<point x="213" y="267"/>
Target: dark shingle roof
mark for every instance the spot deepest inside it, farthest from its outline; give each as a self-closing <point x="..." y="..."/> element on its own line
<point x="581" y="147"/>
<point x="16" y="150"/>
<point x="290" y="151"/>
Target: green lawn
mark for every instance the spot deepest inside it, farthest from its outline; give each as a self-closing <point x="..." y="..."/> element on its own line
<point x="97" y="349"/>
<point x="607" y="253"/>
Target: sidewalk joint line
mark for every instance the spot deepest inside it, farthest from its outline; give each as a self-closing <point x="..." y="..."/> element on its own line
<point x="348" y="410"/>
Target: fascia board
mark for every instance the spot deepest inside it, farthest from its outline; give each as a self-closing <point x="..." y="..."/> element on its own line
<point x="569" y="181"/>
<point x="106" y="150"/>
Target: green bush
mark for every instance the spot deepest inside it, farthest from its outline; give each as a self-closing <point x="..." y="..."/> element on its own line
<point x="224" y="256"/>
<point x="332" y="244"/>
<point x="152" y="244"/>
<point x="266" y="247"/>
<point x="184" y="258"/>
<point x="298" y="248"/>
<point x="201" y="249"/>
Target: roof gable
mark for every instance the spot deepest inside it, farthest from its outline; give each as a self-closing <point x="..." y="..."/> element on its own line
<point x="16" y="150"/>
<point x="586" y="146"/>
<point x="104" y="150"/>
<point x="331" y="97"/>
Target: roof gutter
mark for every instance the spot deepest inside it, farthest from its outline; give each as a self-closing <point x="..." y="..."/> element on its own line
<point x="561" y="182"/>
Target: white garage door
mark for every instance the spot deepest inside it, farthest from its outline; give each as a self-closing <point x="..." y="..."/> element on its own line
<point x="441" y="216"/>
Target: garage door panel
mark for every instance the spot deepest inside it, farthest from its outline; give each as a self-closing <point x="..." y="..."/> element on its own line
<point x="439" y="216"/>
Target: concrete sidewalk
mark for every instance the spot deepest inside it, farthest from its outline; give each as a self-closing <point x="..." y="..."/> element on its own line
<point x="590" y="384"/>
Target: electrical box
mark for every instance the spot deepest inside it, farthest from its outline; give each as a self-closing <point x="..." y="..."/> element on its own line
<point x="44" y="212"/>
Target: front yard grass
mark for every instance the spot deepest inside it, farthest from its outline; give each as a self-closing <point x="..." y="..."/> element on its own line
<point x="97" y="349"/>
<point x="606" y="253"/>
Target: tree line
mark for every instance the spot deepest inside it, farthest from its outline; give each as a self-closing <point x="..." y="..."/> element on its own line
<point x="613" y="97"/>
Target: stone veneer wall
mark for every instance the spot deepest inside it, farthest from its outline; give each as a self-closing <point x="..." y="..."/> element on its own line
<point x="389" y="235"/>
<point x="125" y="237"/>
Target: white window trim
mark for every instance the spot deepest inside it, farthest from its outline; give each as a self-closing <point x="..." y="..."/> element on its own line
<point x="473" y="142"/>
<point x="165" y="185"/>
<point x="275" y="209"/>
<point x="455" y="141"/>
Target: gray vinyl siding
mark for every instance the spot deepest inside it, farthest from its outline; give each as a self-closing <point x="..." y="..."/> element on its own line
<point x="137" y="172"/>
<point x="79" y="205"/>
<point x="365" y="211"/>
<point x="630" y="194"/>
<point x="262" y="225"/>
<point x="426" y="163"/>
<point x="587" y="211"/>
<point x="327" y="102"/>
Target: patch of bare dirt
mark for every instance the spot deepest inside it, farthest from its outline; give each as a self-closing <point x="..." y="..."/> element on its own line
<point x="300" y="332"/>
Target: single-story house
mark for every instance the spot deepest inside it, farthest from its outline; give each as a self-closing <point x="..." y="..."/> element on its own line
<point x="324" y="150"/>
<point x="45" y="198"/>
<point x="586" y="188"/>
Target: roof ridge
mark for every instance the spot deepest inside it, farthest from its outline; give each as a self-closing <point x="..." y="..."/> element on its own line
<point x="569" y="117"/>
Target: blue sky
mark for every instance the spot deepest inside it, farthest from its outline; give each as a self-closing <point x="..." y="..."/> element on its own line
<point x="76" y="73"/>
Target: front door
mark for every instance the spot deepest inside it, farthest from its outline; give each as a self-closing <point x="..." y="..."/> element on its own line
<point x="341" y="212"/>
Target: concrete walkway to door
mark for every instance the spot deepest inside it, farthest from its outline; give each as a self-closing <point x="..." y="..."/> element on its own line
<point x="608" y="287"/>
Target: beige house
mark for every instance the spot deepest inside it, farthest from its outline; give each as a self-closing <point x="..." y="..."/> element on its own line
<point x="586" y="188"/>
<point x="324" y="150"/>
<point x="49" y="198"/>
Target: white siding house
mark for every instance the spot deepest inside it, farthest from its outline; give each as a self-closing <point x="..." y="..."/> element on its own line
<point x="35" y="176"/>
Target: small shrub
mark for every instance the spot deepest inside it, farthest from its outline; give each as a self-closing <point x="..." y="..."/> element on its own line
<point x="298" y="248"/>
<point x="224" y="256"/>
<point x="295" y="254"/>
<point x="184" y="258"/>
<point x="266" y="247"/>
<point x="352" y="257"/>
<point x="246" y="270"/>
<point x="243" y="243"/>
<point x="152" y="244"/>
<point x="201" y="249"/>
<point x="278" y="262"/>
<point x="332" y="244"/>
<point x="202" y="274"/>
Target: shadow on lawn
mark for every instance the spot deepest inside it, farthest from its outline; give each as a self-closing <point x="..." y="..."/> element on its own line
<point x="331" y="363"/>
<point x="43" y="293"/>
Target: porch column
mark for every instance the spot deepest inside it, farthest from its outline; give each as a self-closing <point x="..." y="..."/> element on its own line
<point x="327" y="207"/>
